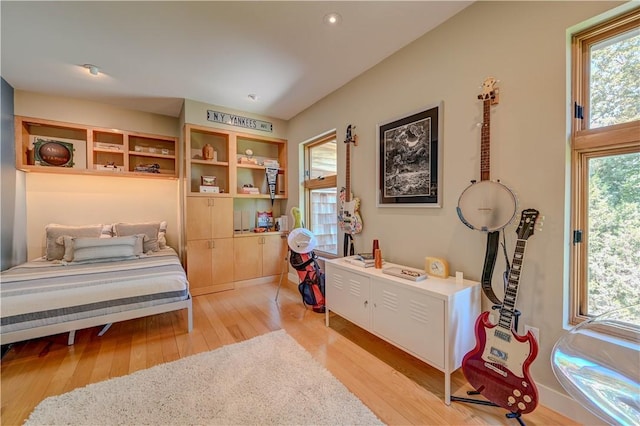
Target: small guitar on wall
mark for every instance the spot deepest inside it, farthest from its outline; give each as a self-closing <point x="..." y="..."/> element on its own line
<point x="487" y="205"/>
<point x="349" y="218"/>
<point x="498" y="366"/>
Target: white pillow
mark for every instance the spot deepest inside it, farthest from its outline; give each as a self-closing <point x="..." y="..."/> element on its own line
<point x="150" y="229"/>
<point x="55" y="250"/>
<point x="162" y="235"/>
<point x="80" y="249"/>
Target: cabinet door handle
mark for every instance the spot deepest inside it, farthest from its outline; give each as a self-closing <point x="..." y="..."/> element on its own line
<point x="210" y="202"/>
<point x="211" y="244"/>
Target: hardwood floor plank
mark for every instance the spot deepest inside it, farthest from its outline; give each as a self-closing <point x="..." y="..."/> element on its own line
<point x="138" y="359"/>
<point x="154" y="345"/>
<point x="106" y="350"/>
<point x="221" y="332"/>
<point x="399" y="388"/>
<point x="121" y="356"/>
<point x="187" y="343"/>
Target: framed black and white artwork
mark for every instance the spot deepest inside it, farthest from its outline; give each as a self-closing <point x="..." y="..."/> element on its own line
<point x="409" y="160"/>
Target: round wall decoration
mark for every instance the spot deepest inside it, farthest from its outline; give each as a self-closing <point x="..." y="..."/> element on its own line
<point x="53" y="153"/>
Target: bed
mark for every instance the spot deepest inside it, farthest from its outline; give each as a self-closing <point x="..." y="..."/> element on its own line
<point x="45" y="297"/>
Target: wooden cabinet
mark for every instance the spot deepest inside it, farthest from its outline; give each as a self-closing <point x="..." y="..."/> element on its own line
<point x="432" y="319"/>
<point x="258" y="256"/>
<point x="253" y="155"/>
<point x="196" y="166"/>
<point x="210" y="265"/>
<point x="232" y="160"/>
<point x="239" y="161"/>
<point x="209" y="218"/>
<point x="274" y="250"/>
<point x="209" y="235"/>
<point x="55" y="147"/>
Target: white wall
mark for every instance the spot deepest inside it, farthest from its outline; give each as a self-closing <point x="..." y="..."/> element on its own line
<point x="524" y="45"/>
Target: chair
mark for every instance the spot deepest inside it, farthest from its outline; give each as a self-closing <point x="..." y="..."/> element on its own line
<point x="601" y="375"/>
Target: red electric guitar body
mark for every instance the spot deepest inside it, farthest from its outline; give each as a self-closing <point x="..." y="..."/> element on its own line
<point x="498" y="366"/>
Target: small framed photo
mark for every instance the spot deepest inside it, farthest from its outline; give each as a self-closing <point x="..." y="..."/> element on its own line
<point x="409" y="160"/>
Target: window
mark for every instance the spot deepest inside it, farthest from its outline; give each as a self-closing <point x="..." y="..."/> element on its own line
<point x="320" y="194"/>
<point x="605" y="258"/>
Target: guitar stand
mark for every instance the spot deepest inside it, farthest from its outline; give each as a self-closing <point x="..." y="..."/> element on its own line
<point x="509" y="415"/>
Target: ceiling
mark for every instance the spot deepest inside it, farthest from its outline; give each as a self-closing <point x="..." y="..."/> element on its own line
<point x="154" y="54"/>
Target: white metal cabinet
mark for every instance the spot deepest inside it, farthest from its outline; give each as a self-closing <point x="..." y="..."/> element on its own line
<point x="349" y="293"/>
<point x="432" y="319"/>
<point x="410" y="319"/>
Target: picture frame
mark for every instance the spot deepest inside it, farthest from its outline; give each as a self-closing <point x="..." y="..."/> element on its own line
<point x="409" y="159"/>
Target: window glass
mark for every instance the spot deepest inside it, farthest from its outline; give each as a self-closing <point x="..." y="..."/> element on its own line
<point x="614" y="232"/>
<point x="321" y="213"/>
<point x="614" y="81"/>
<point x="323" y="221"/>
<point x="322" y="160"/>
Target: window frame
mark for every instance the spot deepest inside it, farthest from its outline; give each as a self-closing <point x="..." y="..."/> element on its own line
<point x="587" y="143"/>
<point x="329" y="181"/>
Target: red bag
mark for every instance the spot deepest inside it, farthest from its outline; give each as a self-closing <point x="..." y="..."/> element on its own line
<point x="311" y="285"/>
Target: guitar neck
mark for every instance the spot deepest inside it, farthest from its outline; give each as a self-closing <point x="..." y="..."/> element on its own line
<point x="348" y="174"/>
<point x="507" y="311"/>
<point x="485" y="141"/>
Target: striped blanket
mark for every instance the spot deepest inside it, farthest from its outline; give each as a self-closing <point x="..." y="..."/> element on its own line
<point x="40" y="293"/>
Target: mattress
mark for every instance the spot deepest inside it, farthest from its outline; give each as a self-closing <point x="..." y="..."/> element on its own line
<point x="40" y="292"/>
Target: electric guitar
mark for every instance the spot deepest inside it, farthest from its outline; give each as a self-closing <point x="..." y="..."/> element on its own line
<point x="498" y="366"/>
<point x="349" y="215"/>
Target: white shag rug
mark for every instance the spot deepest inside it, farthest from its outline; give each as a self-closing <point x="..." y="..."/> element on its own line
<point x="267" y="380"/>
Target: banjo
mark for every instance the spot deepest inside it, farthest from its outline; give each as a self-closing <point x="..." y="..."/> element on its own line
<point x="487" y="205"/>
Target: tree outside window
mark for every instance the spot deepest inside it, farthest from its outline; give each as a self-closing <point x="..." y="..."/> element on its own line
<point x="606" y="168"/>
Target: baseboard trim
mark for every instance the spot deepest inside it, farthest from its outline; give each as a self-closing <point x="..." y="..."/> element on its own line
<point x="567" y="406"/>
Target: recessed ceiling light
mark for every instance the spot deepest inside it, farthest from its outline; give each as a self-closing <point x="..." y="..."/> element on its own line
<point x="332" y="18"/>
<point x="253" y="97"/>
<point x="93" y="70"/>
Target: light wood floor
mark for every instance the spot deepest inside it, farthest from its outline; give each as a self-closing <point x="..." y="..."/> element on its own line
<point x="398" y="388"/>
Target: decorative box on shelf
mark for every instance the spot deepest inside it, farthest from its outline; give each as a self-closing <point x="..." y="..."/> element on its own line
<point x="271" y="163"/>
<point x="252" y="191"/>
<point x="245" y="160"/>
<point x="210" y="189"/>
